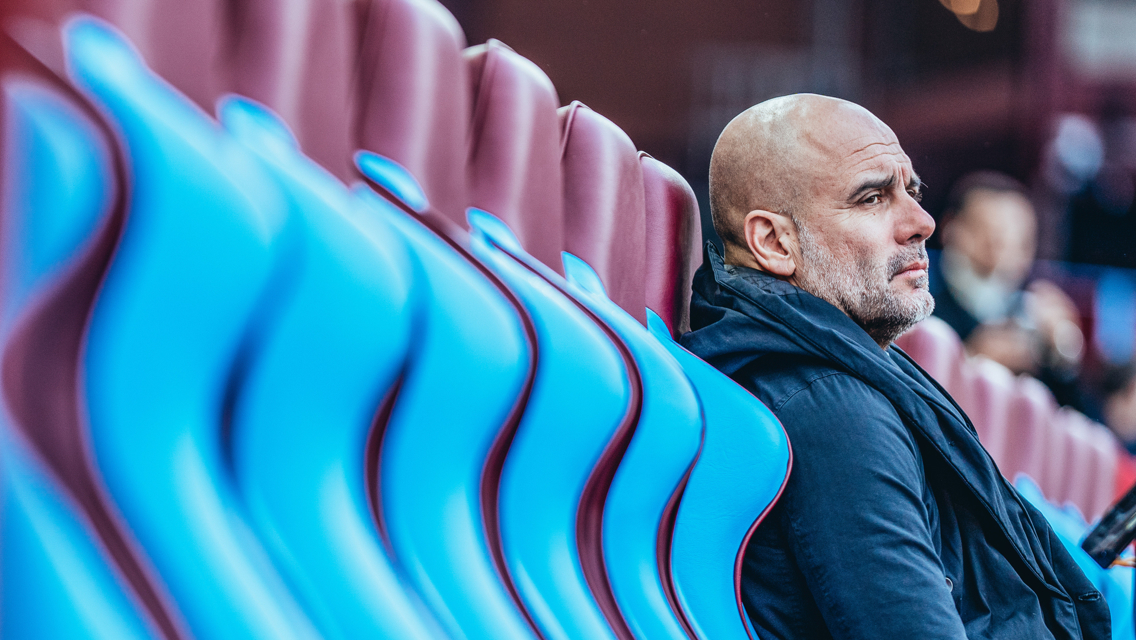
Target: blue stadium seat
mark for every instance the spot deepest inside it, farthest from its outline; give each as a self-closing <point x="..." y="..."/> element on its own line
<point x="58" y="578"/>
<point x="741" y="471"/>
<point x="301" y="410"/>
<point x="1115" y="583"/>
<point x="337" y="341"/>
<point x="463" y="391"/>
<point x="57" y="583"/>
<point x="581" y="398"/>
<point x="179" y="303"/>
<point x="647" y="487"/>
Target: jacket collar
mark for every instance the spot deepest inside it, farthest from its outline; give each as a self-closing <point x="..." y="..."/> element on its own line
<point x="786" y="319"/>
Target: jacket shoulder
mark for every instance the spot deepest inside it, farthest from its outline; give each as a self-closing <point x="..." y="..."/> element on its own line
<point x="777" y="379"/>
<point x="817" y="402"/>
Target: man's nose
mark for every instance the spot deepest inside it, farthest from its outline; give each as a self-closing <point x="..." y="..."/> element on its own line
<point x="916" y="225"/>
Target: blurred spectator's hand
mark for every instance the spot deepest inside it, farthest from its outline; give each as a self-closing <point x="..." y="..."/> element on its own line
<point x="1008" y="344"/>
<point x="1050" y="334"/>
<point x="1058" y="324"/>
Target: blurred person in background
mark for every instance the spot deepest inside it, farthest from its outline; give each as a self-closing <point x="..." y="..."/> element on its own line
<point x="989" y="234"/>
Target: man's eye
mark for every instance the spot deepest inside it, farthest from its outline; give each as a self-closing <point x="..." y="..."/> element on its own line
<point x="916" y="195"/>
<point x="873" y="199"/>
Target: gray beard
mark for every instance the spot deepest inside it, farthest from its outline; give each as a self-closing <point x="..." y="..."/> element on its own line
<point x="861" y="289"/>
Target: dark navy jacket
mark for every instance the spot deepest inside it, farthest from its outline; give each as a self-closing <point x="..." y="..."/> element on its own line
<point x="895" y="523"/>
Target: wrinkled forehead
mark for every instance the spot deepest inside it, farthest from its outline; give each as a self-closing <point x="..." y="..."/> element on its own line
<point x="847" y="141"/>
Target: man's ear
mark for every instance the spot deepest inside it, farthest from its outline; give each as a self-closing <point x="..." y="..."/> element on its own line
<point x="771" y="238"/>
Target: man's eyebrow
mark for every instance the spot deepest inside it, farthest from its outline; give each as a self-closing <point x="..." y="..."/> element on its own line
<point x="872" y="184"/>
<point x="915" y="183"/>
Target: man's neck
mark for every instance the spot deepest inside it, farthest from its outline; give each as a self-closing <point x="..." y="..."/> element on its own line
<point x="738" y="258"/>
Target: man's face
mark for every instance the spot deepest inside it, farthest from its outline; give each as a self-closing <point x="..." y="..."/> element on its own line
<point x="861" y="230"/>
<point x="997" y="233"/>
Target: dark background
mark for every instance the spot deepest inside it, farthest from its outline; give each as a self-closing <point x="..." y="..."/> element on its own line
<point x="672" y="73"/>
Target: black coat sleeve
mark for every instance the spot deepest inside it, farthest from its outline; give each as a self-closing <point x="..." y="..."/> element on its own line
<point x="859" y="516"/>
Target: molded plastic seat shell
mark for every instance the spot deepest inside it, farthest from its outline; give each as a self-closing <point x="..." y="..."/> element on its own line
<point x="62" y="570"/>
<point x="514" y="163"/>
<point x="741" y="471"/>
<point x="414" y="100"/>
<point x="581" y="398"/>
<point x="467" y="380"/>
<point x="177" y="303"/>
<point x="300" y="60"/>
<point x="309" y="394"/>
<point x="991" y="390"/>
<point x="604" y="216"/>
<point x="674" y="247"/>
<point x="645" y="492"/>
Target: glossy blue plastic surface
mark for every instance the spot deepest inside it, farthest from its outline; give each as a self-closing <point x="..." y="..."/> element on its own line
<point x="333" y="348"/>
<point x="470" y="362"/>
<point x="180" y="299"/>
<point x="393" y="177"/>
<point x="56" y="187"/>
<point x="665" y="444"/>
<point x="579" y="399"/>
<point x="56" y="582"/>
<point x="743" y="465"/>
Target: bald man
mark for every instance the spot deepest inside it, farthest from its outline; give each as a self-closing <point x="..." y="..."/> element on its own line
<point x="895" y="523"/>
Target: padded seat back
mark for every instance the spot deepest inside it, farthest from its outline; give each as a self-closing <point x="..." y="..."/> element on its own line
<point x="1027" y="445"/>
<point x="180" y="41"/>
<point x="990" y="395"/>
<point x="1062" y="449"/>
<point x="300" y="60"/>
<point x="938" y="350"/>
<point x="674" y="243"/>
<point x="1090" y="465"/>
<point x="414" y="101"/>
<point x="514" y="164"/>
<point x="604" y="218"/>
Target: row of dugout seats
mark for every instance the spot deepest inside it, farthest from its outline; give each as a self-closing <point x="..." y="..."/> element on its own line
<point x="478" y="127"/>
<point x="1071" y="458"/>
<point x="245" y="399"/>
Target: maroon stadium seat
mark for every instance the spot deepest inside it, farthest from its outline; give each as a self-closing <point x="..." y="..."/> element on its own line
<point x="1028" y="434"/>
<point x="936" y="347"/>
<point x="990" y="392"/>
<point x="413" y="96"/>
<point x="1058" y="456"/>
<point x="604" y="215"/>
<point x="674" y="243"/>
<point x="1105" y="470"/>
<point x="514" y="170"/>
<point x="300" y="62"/>
<point x="1090" y="464"/>
<point x="181" y="41"/>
